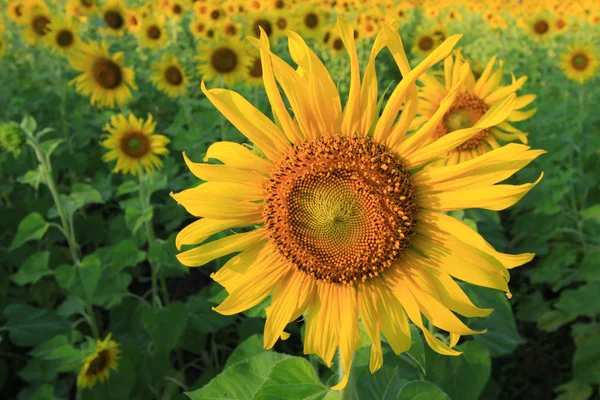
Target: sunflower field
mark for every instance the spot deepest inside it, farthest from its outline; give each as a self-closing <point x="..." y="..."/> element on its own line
<point x="299" y="199"/>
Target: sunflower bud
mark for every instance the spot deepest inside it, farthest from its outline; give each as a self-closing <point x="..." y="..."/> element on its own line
<point x="11" y="138"/>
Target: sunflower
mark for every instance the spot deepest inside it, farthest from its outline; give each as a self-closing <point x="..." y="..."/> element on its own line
<point x="133" y="144"/>
<point x="83" y="7"/>
<point x="133" y="20"/>
<point x="454" y="15"/>
<point x="336" y="45"/>
<point x="63" y="36"/>
<point x="473" y="102"/>
<point x="152" y="33"/>
<point x="348" y="225"/>
<point x="96" y="367"/>
<point x="254" y="75"/>
<point x="539" y="28"/>
<point x="425" y="43"/>
<point x="310" y="20"/>
<point x="103" y="76"/>
<point x="38" y="25"/>
<point x="200" y="28"/>
<point x="264" y="21"/>
<point x="113" y="14"/>
<point x="169" y="77"/>
<point x="176" y="10"/>
<point x="580" y="63"/>
<point x="223" y="58"/>
<point x="230" y="28"/>
<point x="16" y="11"/>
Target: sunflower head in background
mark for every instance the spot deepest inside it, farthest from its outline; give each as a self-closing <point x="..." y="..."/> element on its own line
<point x="133" y="20"/>
<point x="82" y="7"/>
<point x="63" y="36"/>
<point x="224" y="59"/>
<point x="113" y="14"/>
<point x="473" y="101"/>
<point x="132" y="142"/>
<point x="309" y="20"/>
<point x="344" y="218"/>
<point x="254" y="74"/>
<point x="37" y="26"/>
<point x="153" y="33"/>
<point x="16" y="11"/>
<point x="103" y="75"/>
<point x="580" y="62"/>
<point x="169" y="77"/>
<point x="96" y="367"/>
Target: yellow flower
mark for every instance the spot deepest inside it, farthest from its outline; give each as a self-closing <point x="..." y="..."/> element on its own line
<point x="176" y="10"/>
<point x="97" y="366"/>
<point x="63" y="36"/>
<point x="425" y="43"/>
<point x="580" y="63"/>
<point x="309" y="20"/>
<point x="254" y="74"/>
<point x="133" y="20"/>
<point x="133" y="144"/>
<point x="224" y="58"/>
<point x="264" y="21"/>
<point x="169" y="77"/>
<point x="347" y="223"/>
<point x="113" y="14"/>
<point x="539" y="27"/>
<point x="152" y="33"/>
<point x="473" y="101"/>
<point x="83" y="7"/>
<point x="37" y="26"/>
<point x="200" y="28"/>
<point x="103" y="76"/>
<point x="16" y="11"/>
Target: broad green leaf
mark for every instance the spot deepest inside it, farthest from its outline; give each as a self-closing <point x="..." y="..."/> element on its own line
<point x="417" y="347"/>
<point x="37" y="370"/>
<point x="89" y="272"/>
<point x="384" y="384"/>
<point x="554" y="319"/>
<point x="202" y="318"/>
<point x="29" y="326"/>
<point x="125" y="254"/>
<point x="584" y="300"/>
<point x="249" y="348"/>
<point x="165" y="325"/>
<point x="81" y="195"/>
<point x="155" y="182"/>
<point x="589" y="269"/>
<point x="59" y="349"/>
<point x="586" y="361"/>
<point x="111" y="289"/>
<point x="135" y="219"/>
<point x="48" y="146"/>
<point x="44" y="392"/>
<point x="461" y="377"/>
<point x="421" y="390"/>
<point x="592" y="213"/>
<point x="33" y="178"/>
<point x="127" y="187"/>
<point x="293" y="379"/>
<point x="29" y="125"/>
<point x="502" y="336"/>
<point x="532" y="306"/>
<point x="574" y="391"/>
<point x="33" y="269"/>
<point x="71" y="306"/>
<point x="32" y="227"/>
<point x="240" y="381"/>
<point x="554" y="267"/>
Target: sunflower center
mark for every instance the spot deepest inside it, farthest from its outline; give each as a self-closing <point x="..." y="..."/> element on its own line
<point x="279" y="4"/>
<point x="173" y="75"/>
<point x="135" y="144"/>
<point x="338" y="44"/>
<point x="541" y="26"/>
<point x="107" y="73"/>
<point x="256" y="70"/>
<point x="19" y="10"/>
<point x="281" y="23"/>
<point x="87" y="3"/>
<point x="64" y="38"/>
<point x="99" y="364"/>
<point x="177" y="9"/>
<point x="426" y="43"/>
<point x="230" y="30"/>
<point x="466" y="110"/>
<point x="340" y="209"/>
<point x="215" y="14"/>
<point x="311" y="20"/>
<point x="114" y="19"/>
<point x="580" y="61"/>
<point x="224" y="60"/>
<point x="262" y="23"/>
<point x="40" y="24"/>
<point x="153" y="32"/>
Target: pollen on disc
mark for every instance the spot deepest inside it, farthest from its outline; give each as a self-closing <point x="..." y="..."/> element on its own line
<point x="340" y="209"/>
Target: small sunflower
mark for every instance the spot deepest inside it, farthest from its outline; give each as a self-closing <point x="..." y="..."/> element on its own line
<point x="263" y="20"/>
<point x="176" y="10"/>
<point x="425" y="43"/>
<point x="281" y="22"/>
<point x="133" y="143"/>
<point x="580" y="63"/>
<point x="230" y="28"/>
<point x="347" y="224"/>
<point x="103" y="76"/>
<point x="16" y="11"/>
<point x="63" y="36"/>
<point x="169" y="77"/>
<point x="539" y="27"/>
<point x="113" y="14"/>
<point x="224" y="58"/>
<point x="200" y="28"/>
<point x="254" y="76"/>
<point x="133" y="20"/>
<point x="310" y="20"/>
<point x="84" y="7"/>
<point x="472" y="103"/>
<point x="96" y="367"/>
<point x="38" y="25"/>
<point x="152" y="33"/>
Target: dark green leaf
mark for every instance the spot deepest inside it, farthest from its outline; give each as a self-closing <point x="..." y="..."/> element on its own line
<point x="589" y="270"/>
<point x="203" y="319"/>
<point x="71" y="306"/>
<point x="33" y="227"/>
<point x="592" y="213"/>
<point x="89" y="272"/>
<point x="384" y="384"/>
<point x="293" y="379"/>
<point x="127" y="187"/>
<point x="165" y="325"/>
<point x="33" y="269"/>
<point x="135" y="219"/>
<point x="586" y="361"/>
<point x="554" y="319"/>
<point x="584" y="300"/>
<point x="421" y="390"/>
<point x="249" y="348"/>
<point x="125" y="254"/>
<point x="29" y="326"/>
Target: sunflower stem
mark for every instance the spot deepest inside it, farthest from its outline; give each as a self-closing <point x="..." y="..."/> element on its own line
<point x="92" y="321"/>
<point x="144" y="198"/>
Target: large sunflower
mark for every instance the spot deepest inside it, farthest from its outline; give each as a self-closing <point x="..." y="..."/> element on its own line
<point x="63" y="36"/>
<point x="473" y="101"/>
<point x="348" y="225"/>
<point x="133" y="143"/>
<point x="96" y="367"/>
<point x="103" y="76"/>
<point x="169" y="77"/>
<point x="223" y="58"/>
<point x="580" y="63"/>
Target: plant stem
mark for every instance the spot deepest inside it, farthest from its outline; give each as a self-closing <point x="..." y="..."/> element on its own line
<point x="144" y="198"/>
<point x="92" y="321"/>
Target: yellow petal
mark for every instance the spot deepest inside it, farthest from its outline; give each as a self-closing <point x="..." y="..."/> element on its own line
<point x="249" y="121"/>
<point x="199" y="231"/>
<point x="231" y="275"/>
<point x="214" y="206"/>
<point x="394" y="323"/>
<point x="231" y="190"/>
<point x="349" y="333"/>
<point x="221" y="247"/>
<point x="321" y="329"/>
<point x="237" y="156"/>
<point x="524" y="100"/>
<point x="368" y="89"/>
<point x="352" y="111"/>
<point x="502" y="92"/>
<point x="517" y="116"/>
<point x="484" y="75"/>
<point x="223" y="173"/>
<point x="369" y="304"/>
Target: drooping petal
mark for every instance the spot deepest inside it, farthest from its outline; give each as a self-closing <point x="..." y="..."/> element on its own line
<point x="215" y="206"/>
<point x="223" y="173"/>
<point x="237" y="156"/>
<point x="349" y="333"/>
<point x="369" y="304"/>
<point x="231" y="275"/>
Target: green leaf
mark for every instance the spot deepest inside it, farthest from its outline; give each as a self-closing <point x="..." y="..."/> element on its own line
<point x="461" y="377"/>
<point x="417" y="347"/>
<point x="125" y="254"/>
<point x="33" y="177"/>
<point x="32" y="227"/>
<point x="33" y="269"/>
<point x="135" y="218"/>
<point x="59" y="349"/>
<point x="502" y="336"/>
<point x="580" y="301"/>
<point x="29" y="326"/>
<point x="589" y="270"/>
<point x="293" y="379"/>
<point x="71" y="306"/>
<point x="586" y="361"/>
<point x="89" y="272"/>
<point x="592" y="213"/>
<point x="532" y="306"/>
<point x="574" y="391"/>
<point x="49" y="146"/>
<point x="249" y="348"/>
<point x="29" y="125"/>
<point x="384" y="384"/>
<point x="44" y="392"/>
<point x="240" y="381"/>
<point x="421" y="390"/>
<point x="127" y="187"/>
<point x="165" y="325"/>
<point x="111" y="289"/>
<point x="155" y="182"/>
<point x="203" y="319"/>
<point x="554" y="319"/>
